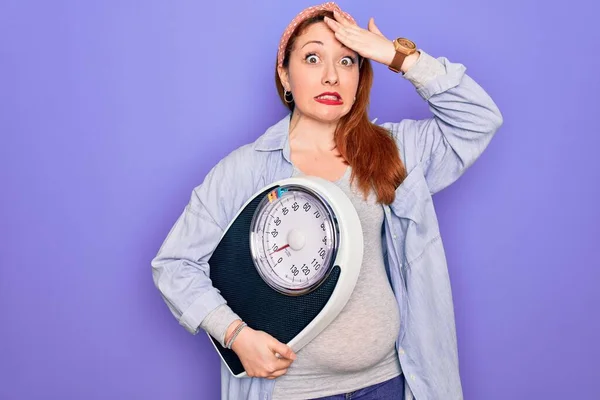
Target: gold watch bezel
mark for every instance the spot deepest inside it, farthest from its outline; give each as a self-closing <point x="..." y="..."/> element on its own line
<point x="405" y="46"/>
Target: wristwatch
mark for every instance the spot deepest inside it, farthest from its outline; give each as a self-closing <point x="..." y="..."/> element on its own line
<point x="404" y="48"/>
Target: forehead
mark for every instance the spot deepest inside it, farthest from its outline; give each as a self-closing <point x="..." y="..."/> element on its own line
<point x="318" y="32"/>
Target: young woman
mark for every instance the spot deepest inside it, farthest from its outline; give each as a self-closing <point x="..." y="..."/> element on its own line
<point x="396" y="336"/>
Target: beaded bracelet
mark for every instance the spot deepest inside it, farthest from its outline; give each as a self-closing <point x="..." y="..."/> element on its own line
<point x="235" y="333"/>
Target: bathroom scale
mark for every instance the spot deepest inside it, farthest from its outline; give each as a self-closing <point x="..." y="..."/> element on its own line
<point x="289" y="261"/>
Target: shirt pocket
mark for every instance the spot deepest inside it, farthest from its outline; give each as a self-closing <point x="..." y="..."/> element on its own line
<point x="416" y="225"/>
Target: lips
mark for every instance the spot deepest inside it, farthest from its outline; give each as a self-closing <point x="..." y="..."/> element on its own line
<point x="329" y="98"/>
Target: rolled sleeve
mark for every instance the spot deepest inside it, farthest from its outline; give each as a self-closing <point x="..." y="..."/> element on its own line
<point x="432" y="76"/>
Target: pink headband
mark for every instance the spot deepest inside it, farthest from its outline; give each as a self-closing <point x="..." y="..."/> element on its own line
<point x="303" y="15"/>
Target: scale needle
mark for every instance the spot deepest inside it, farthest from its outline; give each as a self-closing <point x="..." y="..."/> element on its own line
<point x="281" y="248"/>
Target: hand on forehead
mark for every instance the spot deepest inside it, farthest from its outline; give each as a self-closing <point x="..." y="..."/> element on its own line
<point x="309" y="12"/>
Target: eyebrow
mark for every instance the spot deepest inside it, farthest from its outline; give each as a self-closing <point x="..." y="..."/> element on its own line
<point x="312" y="41"/>
<point x="321" y="43"/>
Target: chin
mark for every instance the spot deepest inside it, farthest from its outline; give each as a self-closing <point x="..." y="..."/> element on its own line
<point x="328" y="114"/>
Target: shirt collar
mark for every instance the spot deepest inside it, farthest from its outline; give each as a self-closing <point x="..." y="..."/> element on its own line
<point x="276" y="138"/>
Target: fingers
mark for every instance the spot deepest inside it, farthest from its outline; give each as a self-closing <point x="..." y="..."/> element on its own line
<point x="334" y="25"/>
<point x="343" y="34"/>
<point x="284" y="356"/>
<point x="373" y="28"/>
<point x="282" y="363"/>
<point x="282" y="349"/>
<point x="278" y="368"/>
<point x="277" y="374"/>
<point x="269" y="369"/>
<point x="269" y="373"/>
<point x="342" y="20"/>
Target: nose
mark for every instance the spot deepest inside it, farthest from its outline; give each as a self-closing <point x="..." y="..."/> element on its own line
<point x="330" y="75"/>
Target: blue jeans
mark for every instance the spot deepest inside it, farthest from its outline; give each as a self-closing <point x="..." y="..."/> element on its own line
<point x="392" y="389"/>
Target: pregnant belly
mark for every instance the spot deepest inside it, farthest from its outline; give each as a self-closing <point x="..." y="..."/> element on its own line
<point x="358" y="339"/>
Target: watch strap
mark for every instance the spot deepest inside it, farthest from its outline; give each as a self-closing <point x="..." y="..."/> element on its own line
<point x="397" y="61"/>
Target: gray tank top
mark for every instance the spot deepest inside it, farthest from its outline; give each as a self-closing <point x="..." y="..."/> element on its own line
<point x="358" y="348"/>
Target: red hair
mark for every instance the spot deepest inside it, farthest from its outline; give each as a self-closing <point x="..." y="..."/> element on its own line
<point x="369" y="149"/>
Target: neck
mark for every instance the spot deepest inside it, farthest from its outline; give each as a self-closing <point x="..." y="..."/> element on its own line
<point x="311" y="134"/>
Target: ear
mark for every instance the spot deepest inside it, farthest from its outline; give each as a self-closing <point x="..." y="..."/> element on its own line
<point x="284" y="77"/>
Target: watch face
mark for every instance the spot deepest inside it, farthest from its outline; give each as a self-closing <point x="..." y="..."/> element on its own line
<point x="406" y="43"/>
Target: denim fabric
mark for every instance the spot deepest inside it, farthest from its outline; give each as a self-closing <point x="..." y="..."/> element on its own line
<point x="392" y="389"/>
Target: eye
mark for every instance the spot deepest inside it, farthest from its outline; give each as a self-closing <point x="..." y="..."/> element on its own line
<point x="348" y="61"/>
<point x="311" y="58"/>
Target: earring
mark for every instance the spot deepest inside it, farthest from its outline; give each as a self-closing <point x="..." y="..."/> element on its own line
<point x="285" y="97"/>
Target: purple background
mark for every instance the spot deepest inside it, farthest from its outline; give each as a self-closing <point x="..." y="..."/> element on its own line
<point x="112" y="111"/>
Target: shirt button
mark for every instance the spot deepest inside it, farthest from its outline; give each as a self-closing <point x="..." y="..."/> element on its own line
<point x="412" y="377"/>
<point x="401" y="351"/>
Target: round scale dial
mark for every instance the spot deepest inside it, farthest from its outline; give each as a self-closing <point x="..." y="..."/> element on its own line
<point x="294" y="239"/>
